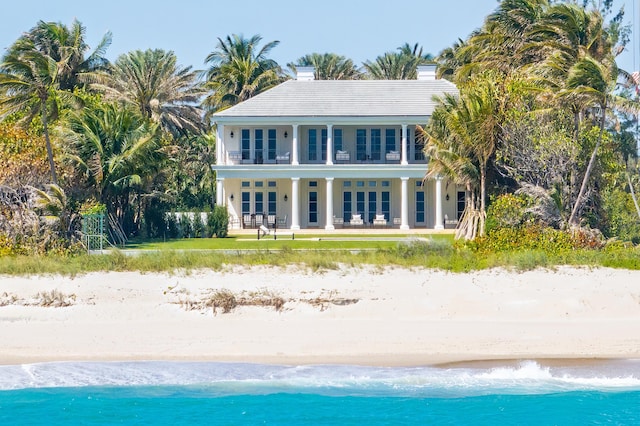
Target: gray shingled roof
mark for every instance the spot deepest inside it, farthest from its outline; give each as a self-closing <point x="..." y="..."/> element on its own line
<point x="343" y="98"/>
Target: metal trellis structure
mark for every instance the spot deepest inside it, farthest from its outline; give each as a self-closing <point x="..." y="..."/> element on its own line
<point x="93" y="231"/>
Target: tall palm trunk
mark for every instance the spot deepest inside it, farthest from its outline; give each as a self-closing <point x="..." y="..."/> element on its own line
<point x="633" y="193"/>
<point x="587" y="173"/>
<point x="483" y="197"/>
<point x="52" y="165"/>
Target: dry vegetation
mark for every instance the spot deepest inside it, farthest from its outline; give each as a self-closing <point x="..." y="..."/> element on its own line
<point x="47" y="299"/>
<point x="226" y="301"/>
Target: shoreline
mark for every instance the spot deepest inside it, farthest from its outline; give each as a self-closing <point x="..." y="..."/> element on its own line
<point x="388" y="318"/>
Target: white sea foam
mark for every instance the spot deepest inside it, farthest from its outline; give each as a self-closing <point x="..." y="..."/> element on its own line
<point x="229" y="378"/>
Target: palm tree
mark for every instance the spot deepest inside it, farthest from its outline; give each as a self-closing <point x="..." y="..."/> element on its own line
<point x="40" y="68"/>
<point x="392" y="66"/>
<point x="451" y="59"/>
<point x="55" y="204"/>
<point x="152" y="82"/>
<point x="67" y="46"/>
<point x="401" y="65"/>
<point x="579" y="68"/>
<point x="328" y="66"/>
<point x="463" y="135"/>
<point x="597" y="81"/>
<point x="28" y="82"/>
<point x="119" y="152"/>
<point x="416" y="51"/>
<point x="501" y="44"/>
<point x="239" y="70"/>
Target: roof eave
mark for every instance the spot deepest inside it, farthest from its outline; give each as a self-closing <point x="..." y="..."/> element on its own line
<point x="310" y="120"/>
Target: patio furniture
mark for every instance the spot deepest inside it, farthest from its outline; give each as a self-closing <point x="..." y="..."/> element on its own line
<point x="380" y="220"/>
<point x="271" y="221"/>
<point x="259" y="219"/>
<point x="356" y="220"/>
<point x="283" y="158"/>
<point x="263" y="231"/>
<point x="338" y="221"/>
<point x="235" y="156"/>
<point x="343" y="156"/>
<point x="393" y="156"/>
<point x="246" y="221"/>
<point x="282" y="222"/>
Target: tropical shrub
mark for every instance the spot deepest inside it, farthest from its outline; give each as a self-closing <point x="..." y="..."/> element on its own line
<point x="621" y="217"/>
<point x="185" y="226"/>
<point x="507" y="211"/>
<point x="173" y="230"/>
<point x="198" y="225"/>
<point x="218" y="222"/>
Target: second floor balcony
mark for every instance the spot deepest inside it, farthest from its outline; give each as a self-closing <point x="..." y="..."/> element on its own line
<point x="313" y="146"/>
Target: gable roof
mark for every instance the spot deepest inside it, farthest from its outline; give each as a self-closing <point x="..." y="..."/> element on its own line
<point x="342" y="98"/>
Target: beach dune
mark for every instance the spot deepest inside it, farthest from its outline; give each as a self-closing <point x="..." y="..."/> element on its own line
<point x="367" y="316"/>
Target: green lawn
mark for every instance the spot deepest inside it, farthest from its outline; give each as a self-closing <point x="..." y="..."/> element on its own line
<point x="302" y="241"/>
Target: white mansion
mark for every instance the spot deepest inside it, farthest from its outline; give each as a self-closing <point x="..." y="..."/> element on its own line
<point x="333" y="153"/>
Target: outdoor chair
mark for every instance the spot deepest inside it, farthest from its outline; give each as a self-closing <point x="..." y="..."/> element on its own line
<point x="380" y="220"/>
<point x="259" y="219"/>
<point x="282" y="222"/>
<point x="271" y="221"/>
<point x="356" y="220"/>
<point x="343" y="156"/>
<point x="283" y="158"/>
<point x="263" y="231"/>
<point x="393" y="156"/>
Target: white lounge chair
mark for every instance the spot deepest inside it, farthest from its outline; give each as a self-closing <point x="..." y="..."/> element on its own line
<point x="263" y="231"/>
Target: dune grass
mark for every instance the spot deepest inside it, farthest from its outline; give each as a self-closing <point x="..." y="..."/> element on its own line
<point x="437" y="253"/>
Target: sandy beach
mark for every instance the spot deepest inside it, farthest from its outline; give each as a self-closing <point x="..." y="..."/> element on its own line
<point x="364" y="316"/>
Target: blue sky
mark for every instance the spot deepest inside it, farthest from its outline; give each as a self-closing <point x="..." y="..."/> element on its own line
<point x="358" y="29"/>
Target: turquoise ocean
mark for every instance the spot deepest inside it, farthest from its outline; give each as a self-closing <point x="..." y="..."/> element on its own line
<point x="515" y="393"/>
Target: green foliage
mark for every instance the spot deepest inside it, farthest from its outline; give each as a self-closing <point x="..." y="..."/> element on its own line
<point x="185" y="226"/>
<point x="172" y="226"/>
<point x="533" y="237"/>
<point x="155" y="220"/>
<point x="198" y="225"/>
<point x="218" y="222"/>
<point x="507" y="211"/>
<point x="23" y="157"/>
<point x="239" y="70"/>
<point x="98" y="208"/>
<point x="622" y="221"/>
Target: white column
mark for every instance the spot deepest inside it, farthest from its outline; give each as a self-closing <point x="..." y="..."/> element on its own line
<point x="403" y="145"/>
<point x="219" y="142"/>
<point x="329" y="145"/>
<point x="404" y="203"/>
<point x="295" y="204"/>
<point x="439" y="222"/>
<point x="329" y="226"/>
<point x="294" y="147"/>
<point x="219" y="192"/>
